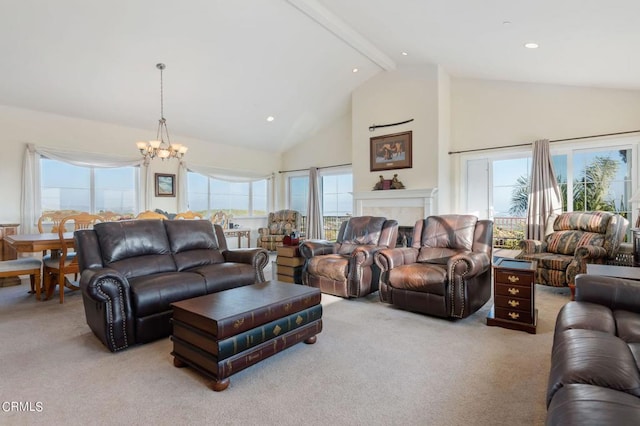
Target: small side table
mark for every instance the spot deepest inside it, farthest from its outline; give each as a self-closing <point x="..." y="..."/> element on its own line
<point x="514" y="295"/>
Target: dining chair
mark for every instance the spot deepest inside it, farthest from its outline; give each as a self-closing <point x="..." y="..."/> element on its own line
<point x="148" y="214"/>
<point x="52" y="217"/>
<point x="57" y="267"/>
<point x="24" y="266"/>
<point x="110" y="216"/>
<point x="189" y="215"/>
<point x="221" y="218"/>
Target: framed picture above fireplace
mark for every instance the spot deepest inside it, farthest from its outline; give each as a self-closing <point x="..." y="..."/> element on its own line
<point x="391" y="152"/>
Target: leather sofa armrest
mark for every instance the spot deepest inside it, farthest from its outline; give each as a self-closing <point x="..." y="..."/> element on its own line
<point x="257" y="257"/>
<point x="533" y="246"/>
<point x="387" y="259"/>
<point x="310" y="248"/>
<point x="468" y="264"/>
<point x="107" y="302"/>
<point x="614" y="293"/>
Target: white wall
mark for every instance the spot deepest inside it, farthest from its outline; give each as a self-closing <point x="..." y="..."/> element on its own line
<point x="21" y="126"/>
<point x="392" y="97"/>
<point x="330" y="147"/>
<point x="489" y="113"/>
<point x="486" y="113"/>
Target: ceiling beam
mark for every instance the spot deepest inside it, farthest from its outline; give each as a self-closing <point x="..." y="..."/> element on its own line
<point x="316" y="11"/>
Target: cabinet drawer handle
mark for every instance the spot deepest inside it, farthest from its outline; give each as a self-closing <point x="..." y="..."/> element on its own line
<point x="513" y="303"/>
<point x="513" y="291"/>
<point x="513" y="278"/>
<point x="514" y="315"/>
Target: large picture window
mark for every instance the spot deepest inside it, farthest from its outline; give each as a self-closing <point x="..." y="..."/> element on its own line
<point x="593" y="177"/>
<point x="337" y="201"/>
<point x="207" y="195"/>
<point x="64" y="186"/>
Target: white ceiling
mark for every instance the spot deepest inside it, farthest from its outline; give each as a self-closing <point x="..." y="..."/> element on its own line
<point x="232" y="63"/>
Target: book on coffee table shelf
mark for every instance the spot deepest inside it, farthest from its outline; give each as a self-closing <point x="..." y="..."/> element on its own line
<point x="211" y="365"/>
<point x="225" y="348"/>
<point x="289" y="264"/>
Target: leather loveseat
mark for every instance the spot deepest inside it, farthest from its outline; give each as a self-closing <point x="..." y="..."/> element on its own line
<point x="131" y="271"/>
<point x="594" y="376"/>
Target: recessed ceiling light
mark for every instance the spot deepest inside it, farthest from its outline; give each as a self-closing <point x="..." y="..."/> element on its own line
<point x="270" y="118"/>
<point x="531" y="45"/>
<point x="404" y="54"/>
<point x="355" y="70"/>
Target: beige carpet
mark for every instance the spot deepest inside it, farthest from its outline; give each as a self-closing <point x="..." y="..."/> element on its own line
<point x="372" y="365"/>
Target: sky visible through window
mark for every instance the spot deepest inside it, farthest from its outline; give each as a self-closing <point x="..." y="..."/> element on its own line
<point x="68" y="187"/>
<point x="506" y="173"/>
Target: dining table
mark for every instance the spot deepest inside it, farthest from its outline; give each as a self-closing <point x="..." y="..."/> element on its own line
<point x="38" y="243"/>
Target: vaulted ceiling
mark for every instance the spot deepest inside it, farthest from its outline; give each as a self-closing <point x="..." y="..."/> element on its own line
<point x="232" y="63"/>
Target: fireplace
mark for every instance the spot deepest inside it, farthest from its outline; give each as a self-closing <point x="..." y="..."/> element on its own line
<point x="407" y="206"/>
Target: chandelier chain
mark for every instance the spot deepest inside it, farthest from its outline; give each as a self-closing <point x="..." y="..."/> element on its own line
<point x="161" y="148"/>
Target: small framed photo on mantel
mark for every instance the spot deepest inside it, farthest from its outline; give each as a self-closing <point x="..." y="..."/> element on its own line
<point x="391" y="152"/>
<point x="165" y="185"/>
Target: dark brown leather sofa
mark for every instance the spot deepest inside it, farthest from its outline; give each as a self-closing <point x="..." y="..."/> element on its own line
<point x="131" y="271"/>
<point x="594" y="378"/>
<point x="447" y="270"/>
<point x="346" y="268"/>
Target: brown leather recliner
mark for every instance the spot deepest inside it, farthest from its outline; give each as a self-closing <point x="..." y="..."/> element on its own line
<point x="447" y="270"/>
<point x="346" y="268"/>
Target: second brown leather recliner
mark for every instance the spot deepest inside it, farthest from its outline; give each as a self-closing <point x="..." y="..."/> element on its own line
<point x="346" y="268"/>
<point x="447" y="270"/>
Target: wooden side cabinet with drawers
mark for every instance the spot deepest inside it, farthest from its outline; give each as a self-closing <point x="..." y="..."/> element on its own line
<point x="514" y="295"/>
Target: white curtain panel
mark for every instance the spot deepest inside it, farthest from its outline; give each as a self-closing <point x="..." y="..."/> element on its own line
<point x="545" y="197"/>
<point x="315" y="227"/>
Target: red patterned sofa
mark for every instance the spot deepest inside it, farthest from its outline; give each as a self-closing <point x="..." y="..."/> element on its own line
<point x="576" y="238"/>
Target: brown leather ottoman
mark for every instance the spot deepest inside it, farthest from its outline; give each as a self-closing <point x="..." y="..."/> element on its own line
<point x="222" y="333"/>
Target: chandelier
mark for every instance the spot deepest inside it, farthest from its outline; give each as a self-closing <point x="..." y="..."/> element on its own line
<point x="161" y="147"/>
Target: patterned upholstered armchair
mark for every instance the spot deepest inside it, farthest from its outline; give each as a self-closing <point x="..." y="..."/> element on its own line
<point x="573" y="240"/>
<point x="279" y="225"/>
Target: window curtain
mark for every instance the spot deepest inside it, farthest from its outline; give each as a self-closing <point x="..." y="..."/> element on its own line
<point x="229" y="175"/>
<point x="545" y="197"/>
<point x="315" y="227"/>
<point x="183" y="187"/>
<point x="30" y="207"/>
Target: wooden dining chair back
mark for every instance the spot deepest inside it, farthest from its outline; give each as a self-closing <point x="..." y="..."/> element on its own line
<point x="52" y="217"/>
<point x="189" y="215"/>
<point x="221" y="218"/>
<point x="57" y="267"/>
<point x="110" y="216"/>
<point x="150" y="215"/>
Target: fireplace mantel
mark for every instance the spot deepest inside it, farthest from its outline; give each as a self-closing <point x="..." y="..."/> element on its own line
<point x="407" y="206"/>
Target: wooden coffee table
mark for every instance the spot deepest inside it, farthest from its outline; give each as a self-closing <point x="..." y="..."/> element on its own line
<point x="223" y="333"/>
<point x="628" y="272"/>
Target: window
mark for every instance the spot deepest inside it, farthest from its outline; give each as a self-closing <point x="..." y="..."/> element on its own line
<point x="337" y="201"/>
<point x="207" y="195"/>
<point x="336" y="195"/>
<point x="91" y="189"/>
<point x="595" y="178"/>
<point x="299" y="193"/>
